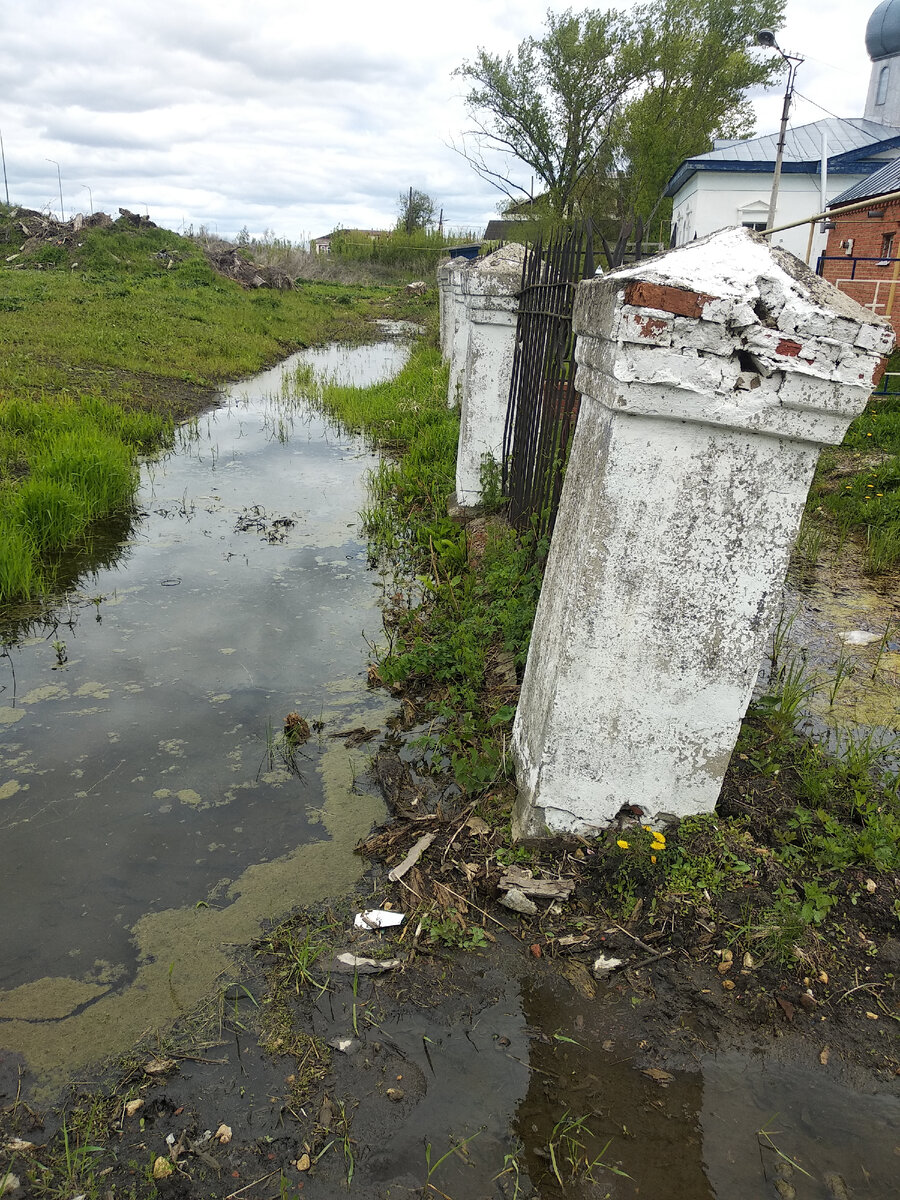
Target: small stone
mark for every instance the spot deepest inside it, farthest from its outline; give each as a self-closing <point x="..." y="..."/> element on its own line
<point x="807" y="1001"/>
<point x="872" y="1016"/>
<point x="395" y="1094"/>
<point x="18" y="1146"/>
<point x="162" y="1168"/>
<point x="9" y="1183"/>
<point x="747" y="961"/>
<point x="302" y="1163"/>
<point x="160" y="1066"/>
<point x="871" y="885"/>
<point x="724" y="966"/>
<point x="822" y="977"/>
<point x="223" y="1135"/>
<point x="516" y="900"/>
<point x="132" y="1107"/>
<point x="728" y="985"/>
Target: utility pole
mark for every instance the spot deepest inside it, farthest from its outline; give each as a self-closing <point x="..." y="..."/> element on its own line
<point x="766" y="37"/>
<point x="409" y="214"/>
<point x="62" y="211"/>
<point x="3" y="158"/>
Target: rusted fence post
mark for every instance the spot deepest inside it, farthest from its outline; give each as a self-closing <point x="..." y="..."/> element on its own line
<point x="490" y="289"/>
<point x="710" y="377"/>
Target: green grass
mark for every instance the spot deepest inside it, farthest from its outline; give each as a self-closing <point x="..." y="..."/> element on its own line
<point x="443" y="641"/>
<point x="868" y="501"/>
<point x="101" y="343"/>
<point x="66" y="464"/>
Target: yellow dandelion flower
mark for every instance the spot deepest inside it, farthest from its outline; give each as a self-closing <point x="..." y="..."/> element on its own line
<point x="653" y="858"/>
<point x="659" y="838"/>
<point x="621" y="842"/>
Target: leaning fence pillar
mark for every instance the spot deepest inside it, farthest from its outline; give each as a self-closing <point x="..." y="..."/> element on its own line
<point x="458" y="330"/>
<point x="490" y="288"/>
<point x="445" y="313"/>
<point x="709" y="378"/>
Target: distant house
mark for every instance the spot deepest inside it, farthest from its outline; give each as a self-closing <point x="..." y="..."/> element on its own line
<point x="322" y="245"/>
<point x="862" y="257"/>
<point x="731" y="184"/>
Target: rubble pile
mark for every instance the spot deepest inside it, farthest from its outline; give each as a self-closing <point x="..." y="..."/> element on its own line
<point x="38" y="230"/>
<point x="226" y="260"/>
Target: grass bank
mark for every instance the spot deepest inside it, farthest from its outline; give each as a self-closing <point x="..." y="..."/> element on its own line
<point x="857" y="485"/>
<point x="799" y="866"/>
<point x="459" y="621"/>
<point x="106" y="337"/>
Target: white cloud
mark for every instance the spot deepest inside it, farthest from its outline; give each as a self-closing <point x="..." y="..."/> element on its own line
<point x="227" y="113"/>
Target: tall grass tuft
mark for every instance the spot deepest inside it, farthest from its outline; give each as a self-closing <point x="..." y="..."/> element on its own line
<point x="74" y="465"/>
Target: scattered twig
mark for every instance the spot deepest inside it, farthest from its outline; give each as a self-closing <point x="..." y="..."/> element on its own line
<point x="248" y="1186"/>
<point x="463" y="900"/>
<point x="643" y="945"/>
<point x="645" y="962"/>
<point x="214" y="1062"/>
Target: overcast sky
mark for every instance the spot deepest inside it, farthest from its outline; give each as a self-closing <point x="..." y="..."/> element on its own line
<point x="295" y="117"/>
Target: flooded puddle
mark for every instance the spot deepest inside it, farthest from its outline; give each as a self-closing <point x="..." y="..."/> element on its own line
<point x="488" y="1076"/>
<point x="147" y="815"/>
<point x="150" y="822"/>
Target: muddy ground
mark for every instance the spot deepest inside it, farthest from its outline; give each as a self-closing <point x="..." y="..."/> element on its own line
<point x="486" y="1036"/>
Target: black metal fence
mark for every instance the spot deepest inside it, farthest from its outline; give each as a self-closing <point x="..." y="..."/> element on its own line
<point x="543" y="403"/>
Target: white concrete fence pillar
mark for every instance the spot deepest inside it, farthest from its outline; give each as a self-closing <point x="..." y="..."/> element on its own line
<point x="458" y="329"/>
<point x="444" y="282"/>
<point x="709" y="377"/>
<point x="490" y="287"/>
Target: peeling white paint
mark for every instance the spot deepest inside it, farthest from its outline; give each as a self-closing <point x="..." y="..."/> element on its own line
<point x="490" y="289"/>
<point x="689" y="471"/>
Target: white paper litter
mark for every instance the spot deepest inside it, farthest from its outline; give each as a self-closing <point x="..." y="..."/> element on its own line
<point x="378" y="918"/>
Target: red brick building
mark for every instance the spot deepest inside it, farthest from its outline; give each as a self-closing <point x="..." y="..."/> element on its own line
<point x="862" y="256"/>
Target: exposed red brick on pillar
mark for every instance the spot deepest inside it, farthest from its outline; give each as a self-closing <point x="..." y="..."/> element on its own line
<point x="667" y="299"/>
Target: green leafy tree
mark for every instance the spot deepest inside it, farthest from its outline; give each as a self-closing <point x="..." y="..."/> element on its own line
<point x="698" y="63"/>
<point x="415" y="210"/>
<point x="605" y="105"/>
<point x="549" y="106"/>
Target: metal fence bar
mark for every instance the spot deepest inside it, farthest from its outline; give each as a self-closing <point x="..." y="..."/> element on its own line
<point x="543" y="404"/>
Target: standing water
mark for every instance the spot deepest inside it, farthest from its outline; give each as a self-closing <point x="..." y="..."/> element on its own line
<point x="150" y="813"/>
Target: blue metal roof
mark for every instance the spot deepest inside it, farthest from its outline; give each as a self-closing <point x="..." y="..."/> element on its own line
<point x="852" y="141"/>
<point x="883" y="181"/>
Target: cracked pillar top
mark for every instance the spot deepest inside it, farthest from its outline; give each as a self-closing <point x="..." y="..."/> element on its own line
<point x="729" y="331"/>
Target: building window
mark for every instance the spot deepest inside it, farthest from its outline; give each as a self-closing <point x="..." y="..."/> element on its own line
<point x="887" y="246"/>
<point x="757" y="226"/>
<point x="881" y="94"/>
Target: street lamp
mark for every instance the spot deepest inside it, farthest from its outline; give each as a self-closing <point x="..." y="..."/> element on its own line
<point x="90" y="196"/>
<point x="766" y="37"/>
<point x="62" y="211"/>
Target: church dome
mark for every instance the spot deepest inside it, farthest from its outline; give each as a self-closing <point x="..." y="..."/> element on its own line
<point x="883" y="30"/>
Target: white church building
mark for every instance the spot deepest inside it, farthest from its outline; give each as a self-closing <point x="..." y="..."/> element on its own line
<point x="731" y="184"/>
